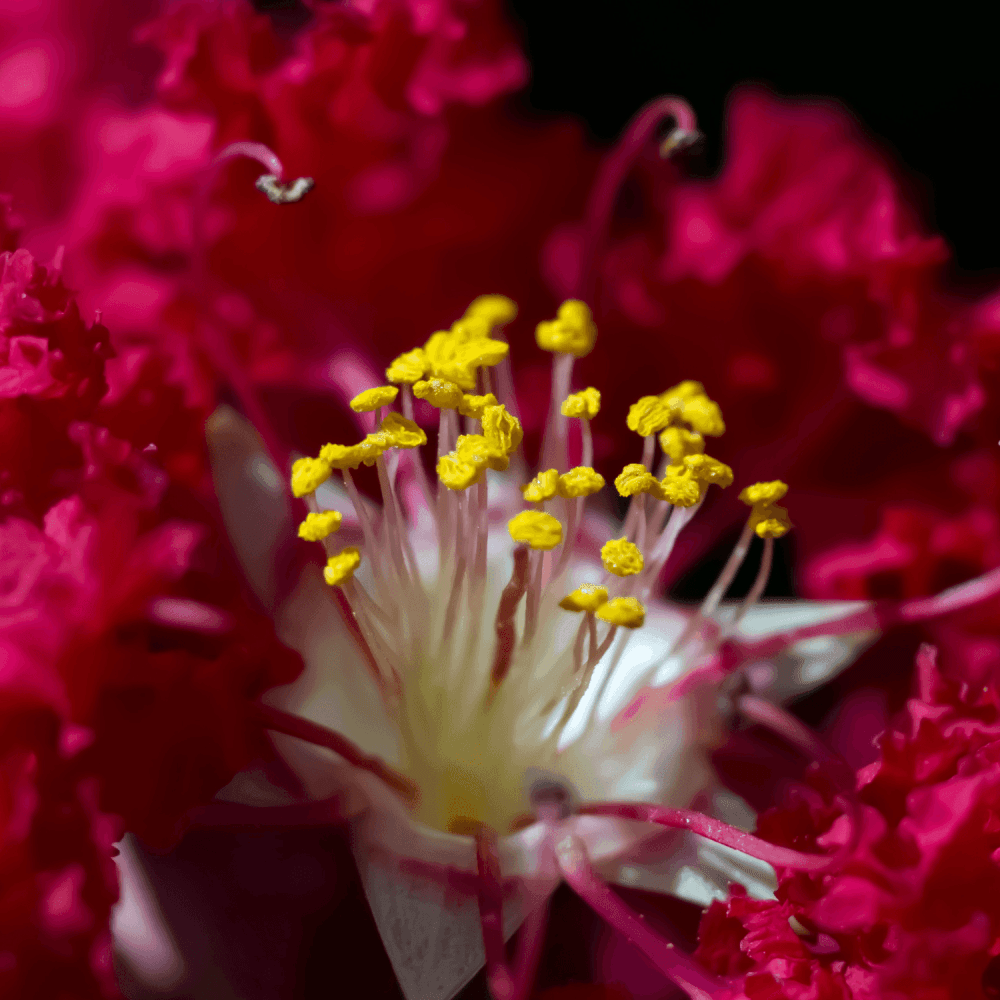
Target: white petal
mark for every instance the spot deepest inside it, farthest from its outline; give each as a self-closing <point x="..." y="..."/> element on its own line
<point x="807" y="664"/>
<point x="255" y="505"/>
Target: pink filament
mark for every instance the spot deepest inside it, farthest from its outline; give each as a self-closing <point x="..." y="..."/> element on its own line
<point x="799" y="735"/>
<point x="715" y="830"/>
<point x="953" y="599"/>
<point x="215" y="342"/>
<point x="264" y="155"/>
<point x="673" y="963"/>
<point x="612" y="173"/>
<point x="311" y="732"/>
<point x="505" y="983"/>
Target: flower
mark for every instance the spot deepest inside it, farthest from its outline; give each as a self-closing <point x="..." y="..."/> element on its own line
<point x="124" y="691"/>
<point x="910" y="912"/>
<point x="488" y="740"/>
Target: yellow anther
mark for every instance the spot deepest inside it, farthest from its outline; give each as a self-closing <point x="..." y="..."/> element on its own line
<point x="647" y="416"/>
<point x="443" y="361"/>
<point x="635" y="478"/>
<point x="340" y="568"/>
<point x="456" y="474"/>
<point x="707" y="470"/>
<point x="685" y="484"/>
<point x="679" y="394"/>
<point x="771" y="522"/>
<point x="473" y="449"/>
<point x="318" y="525"/>
<point x="464" y="466"/>
<point x="503" y="434"/>
<point x="579" y="482"/>
<point x="679" y="488"/>
<point x="585" y="404"/>
<point x="372" y="447"/>
<point x="372" y="399"/>
<point x="533" y="528"/>
<point x="572" y="331"/>
<point x="308" y="474"/>
<point x="762" y="493"/>
<point x="471" y="327"/>
<point x="689" y="403"/>
<point x="438" y="392"/>
<point x="402" y="433"/>
<point x="341" y="456"/>
<point x="767" y="519"/>
<point x="473" y="406"/>
<point x="678" y="443"/>
<point x="588" y="597"/>
<point x="704" y="416"/>
<point x="625" y="611"/>
<point x="621" y="557"/>
<point x="542" y="487"/>
<point x="409" y="367"/>
<point x="497" y="310"/>
<point x="455" y="354"/>
<point x="484" y="353"/>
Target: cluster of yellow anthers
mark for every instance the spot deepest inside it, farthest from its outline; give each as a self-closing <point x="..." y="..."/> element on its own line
<point x="439" y="624"/>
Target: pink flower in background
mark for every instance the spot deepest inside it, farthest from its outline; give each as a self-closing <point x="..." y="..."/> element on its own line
<point x="911" y="914"/>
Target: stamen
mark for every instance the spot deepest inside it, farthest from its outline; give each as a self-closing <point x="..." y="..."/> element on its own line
<point x="799" y="735"/>
<point x="415" y="463"/>
<point x="715" y="830"/>
<point x="615" y="168"/>
<point x="753" y="595"/>
<point x="963" y="595"/>
<point x="311" y="732"/>
<point x="672" y="962"/>
<point x="719" y="588"/>
<point x="504" y="983"/>
<point x="506" y="611"/>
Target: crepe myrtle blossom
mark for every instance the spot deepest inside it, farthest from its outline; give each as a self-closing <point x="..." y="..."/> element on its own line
<point x="912" y="912"/>
<point x="507" y="701"/>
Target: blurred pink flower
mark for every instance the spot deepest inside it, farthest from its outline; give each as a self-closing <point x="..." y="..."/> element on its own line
<point x="911" y="912"/>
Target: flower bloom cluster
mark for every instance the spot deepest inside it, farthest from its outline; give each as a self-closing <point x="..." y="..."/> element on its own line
<point x="911" y="913"/>
<point x="106" y="637"/>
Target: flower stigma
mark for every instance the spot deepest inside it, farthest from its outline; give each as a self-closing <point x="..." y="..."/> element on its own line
<point x="489" y="615"/>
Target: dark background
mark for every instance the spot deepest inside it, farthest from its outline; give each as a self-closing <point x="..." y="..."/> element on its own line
<point x="925" y="84"/>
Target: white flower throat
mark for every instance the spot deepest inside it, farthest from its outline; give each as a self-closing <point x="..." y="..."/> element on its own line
<point x="485" y="646"/>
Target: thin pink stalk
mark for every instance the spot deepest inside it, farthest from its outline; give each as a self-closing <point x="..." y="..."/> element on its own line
<point x="505" y="983"/>
<point x="714" y="830"/>
<point x="311" y="732"/>
<point x="953" y="599"/>
<point x="612" y="174"/>
<point x="216" y="345"/>
<point x="795" y="732"/>
<point x="678" y="967"/>
<point x="265" y="156"/>
<point x="556" y="439"/>
<point x="506" y="630"/>
<point x="490" y="899"/>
